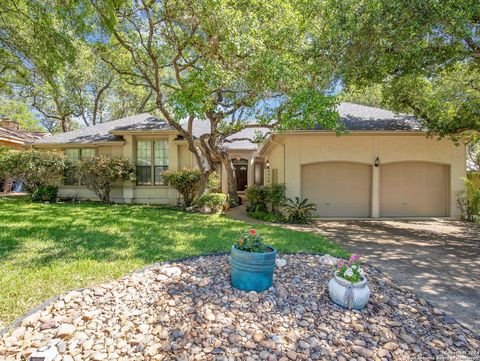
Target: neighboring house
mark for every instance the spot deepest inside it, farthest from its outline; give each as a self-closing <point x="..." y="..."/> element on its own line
<point x="12" y="136"/>
<point x="385" y="166"/>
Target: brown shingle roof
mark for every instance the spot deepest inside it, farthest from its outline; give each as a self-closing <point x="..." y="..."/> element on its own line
<point x="19" y="136"/>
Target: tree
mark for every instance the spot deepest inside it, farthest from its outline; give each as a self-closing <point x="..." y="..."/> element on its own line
<point x="101" y="173"/>
<point x="16" y="110"/>
<point x="424" y="54"/>
<point x="47" y="66"/>
<point x="473" y="156"/>
<point x="234" y="65"/>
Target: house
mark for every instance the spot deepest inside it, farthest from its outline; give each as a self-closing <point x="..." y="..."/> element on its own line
<point x="12" y="136"/>
<point x="384" y="167"/>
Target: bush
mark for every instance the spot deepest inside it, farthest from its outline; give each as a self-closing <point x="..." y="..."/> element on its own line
<point x="186" y="181"/>
<point x="469" y="201"/>
<point x="297" y="211"/>
<point x="45" y="193"/>
<point x="276" y="194"/>
<point x="34" y="168"/>
<point x="100" y="174"/>
<point x="267" y="217"/>
<point x="215" y="202"/>
<point x="256" y="195"/>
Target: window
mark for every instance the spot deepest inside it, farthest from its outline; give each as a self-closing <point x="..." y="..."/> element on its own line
<point x="74" y="155"/>
<point x="152" y="161"/>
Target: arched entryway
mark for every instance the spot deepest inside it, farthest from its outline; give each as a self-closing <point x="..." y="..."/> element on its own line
<point x="241" y="173"/>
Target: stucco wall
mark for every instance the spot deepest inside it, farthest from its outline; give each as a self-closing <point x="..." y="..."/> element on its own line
<point x="303" y="149"/>
<point x="179" y="156"/>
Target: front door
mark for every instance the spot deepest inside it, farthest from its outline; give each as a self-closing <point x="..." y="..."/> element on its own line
<point x="241" y="173"/>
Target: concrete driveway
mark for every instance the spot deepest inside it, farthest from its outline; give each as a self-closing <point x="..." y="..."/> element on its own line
<point x="438" y="259"/>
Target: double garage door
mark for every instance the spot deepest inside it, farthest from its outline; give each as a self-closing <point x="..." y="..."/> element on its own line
<point x="407" y="189"/>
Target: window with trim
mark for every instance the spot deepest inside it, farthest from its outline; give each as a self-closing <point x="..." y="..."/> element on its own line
<point x="152" y="161"/>
<point x="74" y="155"/>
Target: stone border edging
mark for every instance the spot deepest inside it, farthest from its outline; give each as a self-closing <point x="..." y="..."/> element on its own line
<point x="17" y="322"/>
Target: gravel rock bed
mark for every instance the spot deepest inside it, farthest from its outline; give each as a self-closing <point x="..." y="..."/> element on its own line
<point x="188" y="311"/>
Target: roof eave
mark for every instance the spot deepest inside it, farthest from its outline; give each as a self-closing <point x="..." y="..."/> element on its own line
<point x="75" y="145"/>
<point x="143" y="132"/>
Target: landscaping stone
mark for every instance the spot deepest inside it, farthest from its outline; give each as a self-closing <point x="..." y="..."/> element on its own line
<point x="193" y="313"/>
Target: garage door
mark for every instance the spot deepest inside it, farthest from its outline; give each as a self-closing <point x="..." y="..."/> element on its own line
<point x="413" y="189"/>
<point x="338" y="189"/>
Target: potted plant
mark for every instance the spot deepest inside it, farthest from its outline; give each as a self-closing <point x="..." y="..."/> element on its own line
<point x="252" y="263"/>
<point x="348" y="287"/>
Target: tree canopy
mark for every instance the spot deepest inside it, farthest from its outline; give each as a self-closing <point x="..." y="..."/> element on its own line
<point x="425" y="55"/>
<point x="235" y="65"/>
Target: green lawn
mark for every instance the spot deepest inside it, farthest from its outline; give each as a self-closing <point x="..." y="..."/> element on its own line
<point x="49" y="249"/>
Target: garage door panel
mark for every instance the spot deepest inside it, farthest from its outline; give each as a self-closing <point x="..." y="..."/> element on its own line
<point x="338" y="189"/>
<point x="413" y="189"/>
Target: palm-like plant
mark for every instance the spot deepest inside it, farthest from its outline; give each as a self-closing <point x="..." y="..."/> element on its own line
<point x="298" y="211"/>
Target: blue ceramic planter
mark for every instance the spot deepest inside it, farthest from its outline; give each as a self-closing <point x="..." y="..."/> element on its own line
<point x="251" y="271"/>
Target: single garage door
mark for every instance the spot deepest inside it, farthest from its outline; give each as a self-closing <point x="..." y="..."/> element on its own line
<point x="338" y="189"/>
<point x="413" y="189"/>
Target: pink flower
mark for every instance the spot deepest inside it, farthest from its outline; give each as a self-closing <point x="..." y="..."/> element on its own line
<point x="252" y="232"/>
<point x="354" y="258"/>
<point x="340" y="263"/>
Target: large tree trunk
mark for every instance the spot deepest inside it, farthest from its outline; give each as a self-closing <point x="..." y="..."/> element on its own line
<point x="231" y="177"/>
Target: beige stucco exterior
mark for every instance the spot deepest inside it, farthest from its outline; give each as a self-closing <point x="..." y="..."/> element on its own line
<point x="288" y="152"/>
<point x="287" y="157"/>
<point x="179" y="157"/>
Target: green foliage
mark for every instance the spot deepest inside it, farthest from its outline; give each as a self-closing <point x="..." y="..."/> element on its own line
<point x="298" y="211"/>
<point x="469" y="201"/>
<point x="473" y="156"/>
<point x="419" y="57"/>
<point x="276" y="194"/>
<point x="215" y="202"/>
<point x="267" y="217"/>
<point x="350" y="270"/>
<point x="45" y="193"/>
<point x="34" y="168"/>
<point x="214" y="182"/>
<point x="101" y="173"/>
<point x="20" y="112"/>
<point x="186" y="181"/>
<point x="256" y="195"/>
<point x="251" y="242"/>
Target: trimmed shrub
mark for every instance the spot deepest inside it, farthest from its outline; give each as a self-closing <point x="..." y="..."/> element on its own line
<point x="256" y="195"/>
<point x="298" y="211"/>
<point x="276" y="195"/>
<point x="186" y="181"/>
<point x="100" y="174"/>
<point x="34" y="168"/>
<point x="45" y="194"/>
<point x="215" y="202"/>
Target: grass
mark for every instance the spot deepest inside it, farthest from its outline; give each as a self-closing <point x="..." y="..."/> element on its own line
<point x="49" y="249"/>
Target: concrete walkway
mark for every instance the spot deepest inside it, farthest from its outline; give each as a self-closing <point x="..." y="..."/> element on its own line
<point x="438" y="259"/>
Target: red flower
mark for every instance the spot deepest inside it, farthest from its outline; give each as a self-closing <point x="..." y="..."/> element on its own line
<point x="252" y="232"/>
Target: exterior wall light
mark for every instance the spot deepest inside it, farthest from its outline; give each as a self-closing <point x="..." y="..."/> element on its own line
<point x="377" y="162"/>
